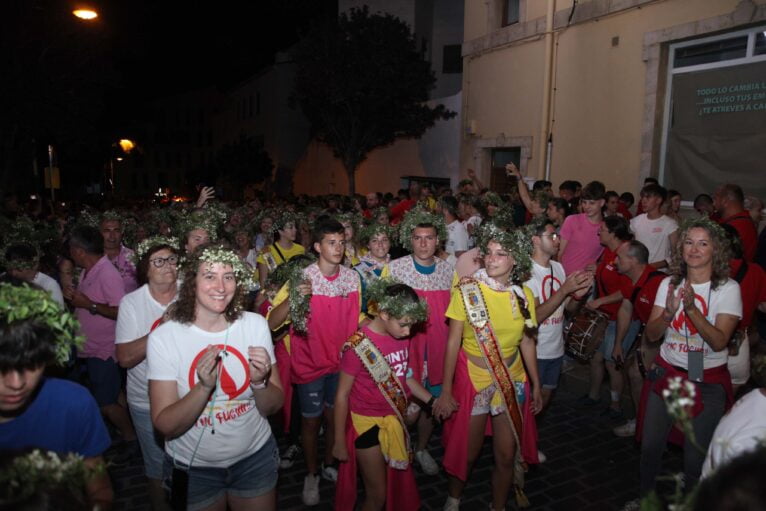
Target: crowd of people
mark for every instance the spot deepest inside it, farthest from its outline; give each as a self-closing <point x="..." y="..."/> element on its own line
<point x="357" y="327"/>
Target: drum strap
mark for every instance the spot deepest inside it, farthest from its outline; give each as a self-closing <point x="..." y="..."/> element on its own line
<point x="384" y="377"/>
<point x="478" y="317"/>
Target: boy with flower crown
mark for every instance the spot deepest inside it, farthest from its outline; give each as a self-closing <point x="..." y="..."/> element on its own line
<point x="330" y="295"/>
<point x="431" y="278"/>
<point x="35" y="332"/>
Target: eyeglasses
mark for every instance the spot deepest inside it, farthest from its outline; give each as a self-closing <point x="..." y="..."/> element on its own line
<point x="159" y="262"/>
<point x="553" y="236"/>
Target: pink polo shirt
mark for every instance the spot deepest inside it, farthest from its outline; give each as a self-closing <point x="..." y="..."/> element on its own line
<point x="126" y="269"/>
<point x="102" y="284"/>
<point x="583" y="246"/>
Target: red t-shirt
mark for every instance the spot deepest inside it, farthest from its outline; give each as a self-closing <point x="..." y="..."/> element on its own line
<point x="365" y="397"/>
<point x="748" y="234"/>
<point x="624" y="211"/>
<point x="610" y="281"/>
<point x="752" y="287"/>
<point x="398" y="211"/>
<point x="648" y="283"/>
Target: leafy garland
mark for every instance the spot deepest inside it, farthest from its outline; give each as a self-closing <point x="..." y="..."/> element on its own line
<point x="503" y="217"/>
<point x="299" y="304"/>
<point x="517" y="242"/>
<point x="397" y="306"/>
<point x="218" y="254"/>
<point x="39" y="471"/>
<point x="112" y="215"/>
<point x="369" y="231"/>
<point x="419" y="216"/>
<point x="20" y="303"/>
<point x="380" y="210"/>
<point x="283" y="219"/>
<point x="492" y="198"/>
<point x="24" y="230"/>
<point x="146" y="245"/>
<point x="204" y="219"/>
<point x="354" y="218"/>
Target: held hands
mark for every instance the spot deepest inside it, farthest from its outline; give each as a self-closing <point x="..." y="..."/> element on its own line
<point x="207" y="366"/>
<point x="444" y="406"/>
<point x="260" y="364"/>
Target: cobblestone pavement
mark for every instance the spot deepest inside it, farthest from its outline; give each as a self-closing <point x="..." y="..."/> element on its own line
<point x="588" y="468"/>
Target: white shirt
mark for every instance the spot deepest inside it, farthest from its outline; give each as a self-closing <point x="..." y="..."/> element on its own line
<point x="655" y="234"/>
<point x="457" y="238"/>
<point x="681" y="336"/>
<point x="49" y="284"/>
<point x="742" y="429"/>
<point x="543" y="283"/>
<point x="139" y="313"/>
<point x="474" y="221"/>
<point x="240" y="429"/>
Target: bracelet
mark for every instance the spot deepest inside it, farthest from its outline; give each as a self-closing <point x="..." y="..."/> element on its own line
<point x="261" y="385"/>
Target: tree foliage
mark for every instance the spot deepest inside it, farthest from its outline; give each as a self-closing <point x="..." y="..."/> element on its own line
<point x="362" y="83"/>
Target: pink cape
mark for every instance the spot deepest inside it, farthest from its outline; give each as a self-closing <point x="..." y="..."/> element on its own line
<point x="431" y="342"/>
<point x="401" y="489"/>
<point x="454" y="438"/>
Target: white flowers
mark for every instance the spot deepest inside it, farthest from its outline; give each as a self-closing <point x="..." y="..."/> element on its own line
<point x="40" y="470"/>
<point x="679" y="398"/>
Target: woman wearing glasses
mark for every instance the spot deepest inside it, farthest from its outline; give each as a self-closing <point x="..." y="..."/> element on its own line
<point x="141" y="312"/>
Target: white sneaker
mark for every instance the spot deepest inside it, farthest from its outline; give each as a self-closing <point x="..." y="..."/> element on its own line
<point x="288" y="458"/>
<point x="542" y="458"/>
<point x="329" y="473"/>
<point x="626" y="430"/>
<point x="311" y="490"/>
<point x="452" y="504"/>
<point x="427" y="463"/>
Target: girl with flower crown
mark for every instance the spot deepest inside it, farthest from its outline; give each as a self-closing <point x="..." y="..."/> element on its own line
<point x="212" y="383"/>
<point x="284" y="248"/>
<point x="490" y="369"/>
<point x="371" y="403"/>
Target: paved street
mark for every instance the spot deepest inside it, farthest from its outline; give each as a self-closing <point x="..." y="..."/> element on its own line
<point x="588" y="468"/>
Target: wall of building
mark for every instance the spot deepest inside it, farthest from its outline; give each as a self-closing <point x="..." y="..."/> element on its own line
<point x="606" y="93"/>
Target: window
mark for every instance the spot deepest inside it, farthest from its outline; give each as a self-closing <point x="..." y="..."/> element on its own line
<point x="511" y="10"/>
<point x="715" y="113"/>
<point x="498" y="180"/>
<point x="452" y="59"/>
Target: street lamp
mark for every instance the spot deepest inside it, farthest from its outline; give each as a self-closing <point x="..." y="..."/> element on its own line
<point x="85" y="14"/>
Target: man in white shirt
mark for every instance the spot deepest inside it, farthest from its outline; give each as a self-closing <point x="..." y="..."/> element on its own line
<point x="658" y="232"/>
<point x="22" y="262"/>
<point x="457" y="235"/>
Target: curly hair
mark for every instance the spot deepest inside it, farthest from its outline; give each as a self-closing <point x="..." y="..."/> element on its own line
<point x="721" y="251"/>
<point x="184" y="308"/>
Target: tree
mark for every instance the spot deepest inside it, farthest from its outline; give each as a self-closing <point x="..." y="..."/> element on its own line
<point x="362" y="83"/>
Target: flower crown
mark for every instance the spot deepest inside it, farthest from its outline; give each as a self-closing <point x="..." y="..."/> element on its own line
<point x="146" y="245"/>
<point x="517" y="242"/>
<point x="369" y="231"/>
<point x="219" y="254"/>
<point x="419" y="216"/>
<point x="493" y="199"/>
<point x="112" y="215"/>
<point x="205" y="219"/>
<point x="397" y="305"/>
<point x="21" y="303"/>
<point x="284" y="218"/>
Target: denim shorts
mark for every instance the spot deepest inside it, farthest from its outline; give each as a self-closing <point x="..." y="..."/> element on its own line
<point x="550" y="371"/>
<point x="316" y="395"/>
<point x="150" y="441"/>
<point x="104" y="380"/>
<point x="611" y="332"/>
<point x="250" y="477"/>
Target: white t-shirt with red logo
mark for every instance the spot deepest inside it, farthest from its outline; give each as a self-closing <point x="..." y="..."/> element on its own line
<point x="139" y="314"/>
<point x="725" y="299"/>
<point x="543" y="283"/>
<point x="240" y="430"/>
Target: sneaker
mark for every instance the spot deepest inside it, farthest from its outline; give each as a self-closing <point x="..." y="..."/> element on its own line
<point x="311" y="490"/>
<point x="633" y="505"/>
<point x="542" y="458"/>
<point x="427" y="463"/>
<point x="588" y="401"/>
<point x="626" y="430"/>
<point x="452" y="504"/>
<point x="329" y="473"/>
<point x="288" y="458"/>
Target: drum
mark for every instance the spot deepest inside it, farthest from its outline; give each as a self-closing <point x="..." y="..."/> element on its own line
<point x="585" y="333"/>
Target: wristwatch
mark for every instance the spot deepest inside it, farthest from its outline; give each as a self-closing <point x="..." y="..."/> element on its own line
<point x="93" y="309"/>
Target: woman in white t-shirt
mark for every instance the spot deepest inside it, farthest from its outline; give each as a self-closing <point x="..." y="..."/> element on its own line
<point x="212" y="383"/>
<point x="696" y="309"/>
<point x="141" y="312"/>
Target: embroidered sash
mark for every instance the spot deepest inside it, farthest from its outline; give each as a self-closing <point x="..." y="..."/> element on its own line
<point x="386" y="380"/>
<point x="478" y="317"/>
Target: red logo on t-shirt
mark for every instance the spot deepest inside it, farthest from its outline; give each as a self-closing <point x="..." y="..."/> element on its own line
<point x="679" y="321"/>
<point x="549" y="287"/>
<point x="156" y="324"/>
<point x="234" y="371"/>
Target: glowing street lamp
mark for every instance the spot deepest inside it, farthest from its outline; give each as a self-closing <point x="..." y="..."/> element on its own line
<point x="85" y="14"/>
<point x="127" y="145"/>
